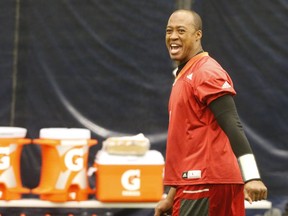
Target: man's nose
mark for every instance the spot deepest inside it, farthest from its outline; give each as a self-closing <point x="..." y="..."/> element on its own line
<point x="174" y="35"/>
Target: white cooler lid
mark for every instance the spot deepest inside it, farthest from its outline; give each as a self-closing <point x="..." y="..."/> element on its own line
<point x="151" y="157"/>
<point x="12" y="132"/>
<point x="65" y="133"/>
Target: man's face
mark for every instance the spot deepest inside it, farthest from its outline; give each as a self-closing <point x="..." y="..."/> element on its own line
<point x="182" y="39"/>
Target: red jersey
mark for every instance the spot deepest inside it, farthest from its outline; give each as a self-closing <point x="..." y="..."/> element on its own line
<point x="198" y="151"/>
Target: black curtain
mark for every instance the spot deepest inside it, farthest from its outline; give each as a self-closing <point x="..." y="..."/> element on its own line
<point x="103" y="65"/>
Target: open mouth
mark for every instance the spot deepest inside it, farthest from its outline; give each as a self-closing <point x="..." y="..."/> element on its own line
<point x="174" y="48"/>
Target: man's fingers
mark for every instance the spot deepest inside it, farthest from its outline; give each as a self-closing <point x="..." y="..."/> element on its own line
<point x="264" y="194"/>
<point x="247" y="198"/>
<point x="260" y="194"/>
<point x="255" y="195"/>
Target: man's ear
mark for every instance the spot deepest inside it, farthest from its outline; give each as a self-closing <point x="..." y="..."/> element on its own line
<point x="198" y="35"/>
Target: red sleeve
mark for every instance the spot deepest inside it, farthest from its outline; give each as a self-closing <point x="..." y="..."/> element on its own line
<point x="212" y="82"/>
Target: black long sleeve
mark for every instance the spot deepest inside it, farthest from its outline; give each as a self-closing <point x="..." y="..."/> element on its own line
<point x="225" y="112"/>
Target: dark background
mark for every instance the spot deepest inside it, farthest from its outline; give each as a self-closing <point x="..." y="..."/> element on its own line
<point x="103" y="65"/>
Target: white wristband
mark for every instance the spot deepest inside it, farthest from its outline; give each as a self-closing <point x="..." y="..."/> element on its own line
<point x="248" y="167"/>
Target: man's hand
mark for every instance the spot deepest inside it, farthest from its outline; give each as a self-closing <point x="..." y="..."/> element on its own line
<point x="164" y="207"/>
<point x="255" y="191"/>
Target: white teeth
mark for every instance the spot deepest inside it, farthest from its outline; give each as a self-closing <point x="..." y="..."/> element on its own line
<point x="174" y="46"/>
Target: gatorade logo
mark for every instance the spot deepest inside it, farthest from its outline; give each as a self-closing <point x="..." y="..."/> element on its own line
<point x="74" y="159"/>
<point x="131" y="182"/>
<point x="4" y="158"/>
<point x="131" y="179"/>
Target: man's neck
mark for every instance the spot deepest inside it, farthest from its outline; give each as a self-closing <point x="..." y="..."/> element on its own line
<point x="182" y="64"/>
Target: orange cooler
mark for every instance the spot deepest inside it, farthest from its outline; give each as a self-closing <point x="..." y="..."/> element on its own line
<point x="11" y="144"/>
<point x="129" y="178"/>
<point x="64" y="164"/>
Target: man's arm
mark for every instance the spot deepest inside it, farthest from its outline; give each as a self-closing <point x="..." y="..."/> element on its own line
<point x="225" y="112"/>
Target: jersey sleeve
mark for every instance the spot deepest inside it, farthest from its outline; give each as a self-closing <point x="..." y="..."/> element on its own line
<point x="212" y="83"/>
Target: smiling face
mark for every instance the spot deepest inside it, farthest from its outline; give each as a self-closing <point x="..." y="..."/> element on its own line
<point x="183" y="35"/>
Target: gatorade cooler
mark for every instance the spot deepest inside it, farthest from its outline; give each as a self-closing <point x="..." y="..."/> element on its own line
<point x="64" y="164"/>
<point x="11" y="144"/>
<point x="129" y="178"/>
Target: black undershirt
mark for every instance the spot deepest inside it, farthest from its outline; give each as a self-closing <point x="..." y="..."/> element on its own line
<point x="225" y="112"/>
<point x="180" y="68"/>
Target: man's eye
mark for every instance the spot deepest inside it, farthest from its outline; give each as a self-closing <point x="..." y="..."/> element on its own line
<point x="181" y="31"/>
<point x="168" y="31"/>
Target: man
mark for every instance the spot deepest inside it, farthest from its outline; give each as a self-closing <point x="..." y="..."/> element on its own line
<point x="208" y="155"/>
